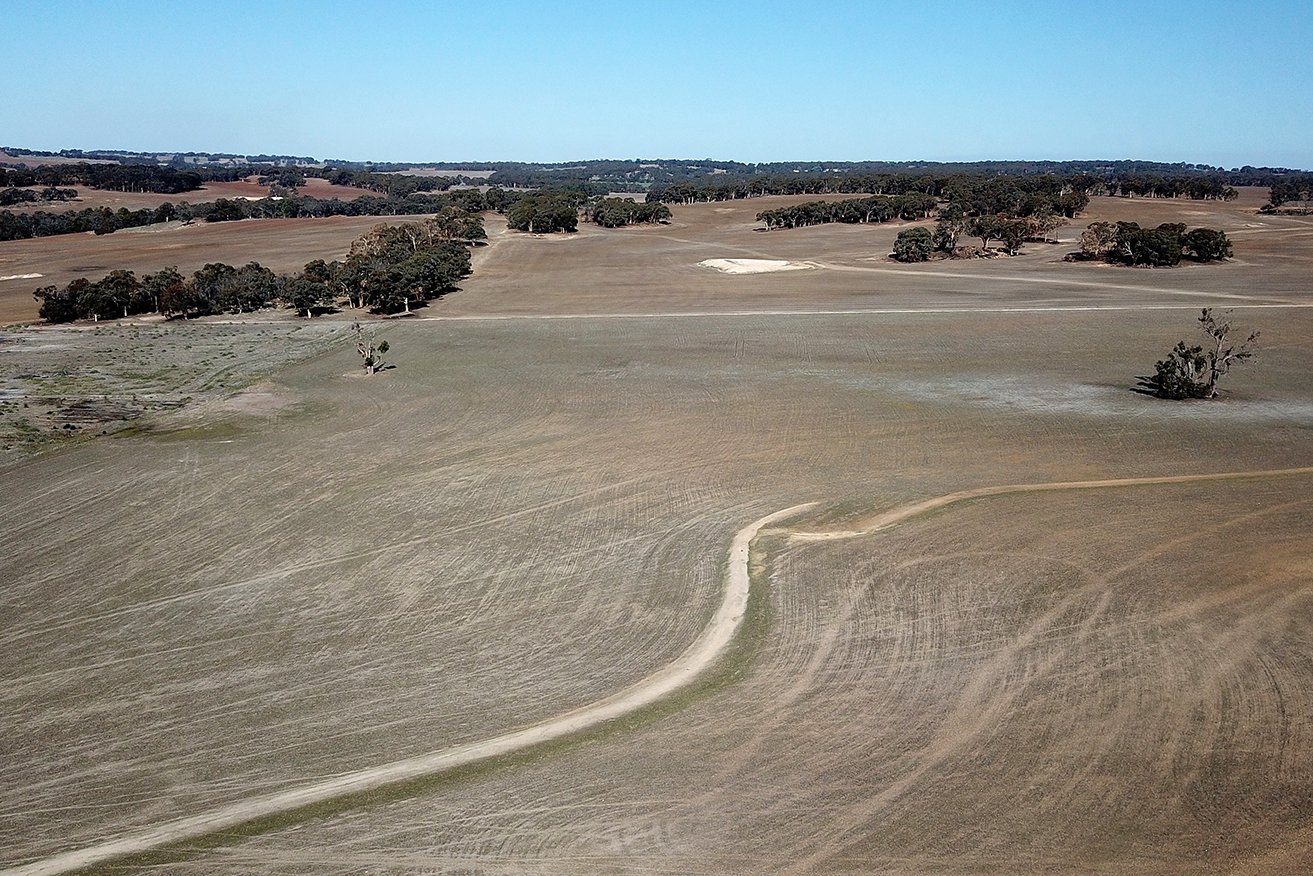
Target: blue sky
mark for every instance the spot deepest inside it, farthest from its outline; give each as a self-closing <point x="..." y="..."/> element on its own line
<point x="1222" y="83"/>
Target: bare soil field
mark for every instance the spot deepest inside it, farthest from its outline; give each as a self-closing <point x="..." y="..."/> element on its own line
<point x="284" y="245"/>
<point x="305" y="572"/>
<point x="213" y="191"/>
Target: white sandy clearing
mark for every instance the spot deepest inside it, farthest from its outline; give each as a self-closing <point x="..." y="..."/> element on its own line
<point x="22" y="277"/>
<point x="753" y="266"/>
<point x="688" y="666"/>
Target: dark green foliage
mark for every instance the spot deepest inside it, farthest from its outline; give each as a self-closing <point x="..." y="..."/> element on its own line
<point x="57" y="305"/>
<point x="1156" y="247"/>
<point x="913" y="245"/>
<point x="851" y="211"/>
<point x="1194" y="372"/>
<point x="618" y="212"/>
<point x="394" y="266"/>
<point x="1178" y="376"/>
<point x="161" y="290"/>
<point x="987" y="227"/>
<point x="546" y="212"/>
<point x="1207" y="245"/>
<point x="1294" y="189"/>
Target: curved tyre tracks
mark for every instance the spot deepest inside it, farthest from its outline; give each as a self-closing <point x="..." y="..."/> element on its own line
<point x="709" y="645"/>
<point x="704" y="651"/>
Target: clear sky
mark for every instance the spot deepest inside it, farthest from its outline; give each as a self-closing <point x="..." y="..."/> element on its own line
<point x="1222" y="83"/>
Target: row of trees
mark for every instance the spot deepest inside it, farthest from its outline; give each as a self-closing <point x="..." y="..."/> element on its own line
<point x="1298" y="189"/>
<point x="11" y="196"/>
<point x="1149" y="186"/>
<point x="876" y="209"/>
<point x="114" y="177"/>
<point x="920" y="244"/>
<point x="388" y="270"/>
<point x="1129" y="244"/>
<point x="1065" y="193"/>
<point x="618" y="212"/>
<point x="102" y="220"/>
<point x="546" y="212"/>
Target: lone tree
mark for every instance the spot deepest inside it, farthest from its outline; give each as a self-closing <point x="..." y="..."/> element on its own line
<point x="1193" y="372"/>
<point x="913" y="245"/>
<point x="371" y="353"/>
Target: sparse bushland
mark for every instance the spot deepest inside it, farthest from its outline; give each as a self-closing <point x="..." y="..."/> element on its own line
<point x="1194" y="372"/>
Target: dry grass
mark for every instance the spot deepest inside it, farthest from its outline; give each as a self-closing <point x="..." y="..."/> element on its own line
<point x="528" y="514"/>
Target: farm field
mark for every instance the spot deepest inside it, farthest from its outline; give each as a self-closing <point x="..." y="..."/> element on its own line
<point x="302" y="572"/>
<point x="211" y="191"/>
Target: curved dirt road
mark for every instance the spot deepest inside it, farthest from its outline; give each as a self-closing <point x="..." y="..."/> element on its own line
<point x="687" y="667"/>
<point x="709" y="645"/>
<point x="898" y="515"/>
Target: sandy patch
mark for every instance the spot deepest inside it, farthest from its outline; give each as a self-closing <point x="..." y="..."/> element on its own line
<point x="753" y="266"/>
<point x="21" y="277"/>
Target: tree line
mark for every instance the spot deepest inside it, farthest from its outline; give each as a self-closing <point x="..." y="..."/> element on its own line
<point x="103" y="220"/>
<point x="112" y="177"/>
<point x="875" y="209"/>
<point x="1297" y="189"/>
<point x="959" y="185"/>
<point x="618" y="212"/>
<point x="553" y="210"/>
<point x="11" y="196"/>
<point x="542" y="211"/>
<point x="1128" y="244"/>
<point x="388" y="270"/>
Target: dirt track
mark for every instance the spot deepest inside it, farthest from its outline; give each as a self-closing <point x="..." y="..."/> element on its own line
<point x="694" y="661"/>
<point x="271" y="587"/>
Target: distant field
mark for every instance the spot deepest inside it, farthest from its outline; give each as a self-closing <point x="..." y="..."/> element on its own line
<point x="324" y="572"/>
<point x="284" y="245"/>
<point x="212" y="191"/>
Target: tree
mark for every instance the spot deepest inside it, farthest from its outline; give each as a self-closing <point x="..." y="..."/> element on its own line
<point x="1156" y="247"/>
<point x="117" y="291"/>
<point x="1013" y="233"/>
<point x="370" y="353"/>
<point x="913" y="245"/>
<point x="1194" y="372"/>
<point x="1098" y="240"/>
<point x="987" y="228"/>
<point x="165" y="290"/>
<point x="1207" y="245"/>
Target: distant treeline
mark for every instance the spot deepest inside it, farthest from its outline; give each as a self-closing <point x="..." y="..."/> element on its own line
<point x="879" y="208"/>
<point x="102" y="220"/>
<point x="540" y="211"/>
<point x="551" y="210"/>
<point x="961" y="186"/>
<point x="1007" y="197"/>
<point x="388" y="269"/>
<point x="9" y="197"/>
<point x="113" y="177"/>
<point x="171" y="181"/>
<point x="1295" y="190"/>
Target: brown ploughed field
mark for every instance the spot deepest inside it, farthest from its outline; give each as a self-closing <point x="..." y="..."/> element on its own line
<point x="283" y="571"/>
